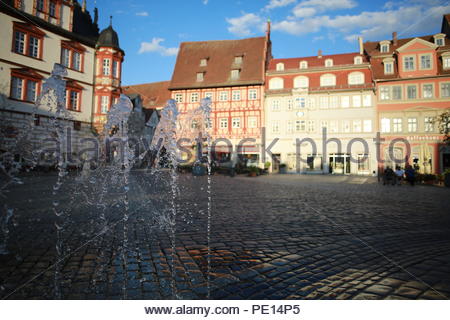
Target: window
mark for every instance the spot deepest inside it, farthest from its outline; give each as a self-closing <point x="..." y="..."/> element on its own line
<point x="328" y="63"/>
<point x="290" y="104"/>
<point x="33" y="49"/>
<point x="440" y="42"/>
<point x="396" y="92"/>
<point x="408" y="63"/>
<point x="31" y="91"/>
<point x="324" y="124"/>
<point x="425" y="61"/>
<point x="194" y="124"/>
<point x="301" y="82"/>
<point x="252" y="122"/>
<point x="300" y="125"/>
<point x="106" y="69"/>
<point x="276" y="83"/>
<point x="209" y="95"/>
<point x="203" y="62"/>
<point x="236" y="123"/>
<point x="16" y="88"/>
<point x="52" y="9"/>
<point x="252" y="94"/>
<point x="384" y="48"/>
<point x="427" y="91"/>
<point x="412" y="124"/>
<point x="73" y="103"/>
<point x="290" y="126"/>
<point x="323" y="102"/>
<point x="367" y="100"/>
<point x="40" y="5"/>
<point x="367" y="125"/>
<point x="311" y="125"/>
<point x="357" y="60"/>
<point x="333" y="126"/>
<point x="312" y="102"/>
<point x="439" y="39"/>
<point x="327" y="80"/>
<point x="19" y="42"/>
<point x="397" y="125"/>
<point x="194" y="97"/>
<point x="346" y="126"/>
<point x="445" y="90"/>
<point x="334" y="102"/>
<point x="238" y="59"/>
<point x="223" y="96"/>
<point x="446" y="62"/>
<point x="385" y="125"/>
<point x="280" y="66"/>
<point x="178" y="97"/>
<point x="429" y="127"/>
<point x="275" y="127"/>
<point x="356" y="100"/>
<point x="385" y="93"/>
<point x="65" y="57"/>
<point x="411" y="91"/>
<point x="76" y="62"/>
<point x="345" y="101"/>
<point x="363" y="162"/>
<point x="300" y="103"/>
<point x="104" y="104"/>
<point x="303" y="65"/>
<point x="275" y="105"/>
<point x="388" y="67"/>
<point x="236" y="95"/>
<point x="356" y="78"/>
<point x="200" y="76"/>
<point x="223" y="123"/>
<point x="357" y="126"/>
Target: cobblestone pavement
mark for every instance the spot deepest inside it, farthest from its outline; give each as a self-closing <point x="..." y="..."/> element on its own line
<point x="271" y="237"/>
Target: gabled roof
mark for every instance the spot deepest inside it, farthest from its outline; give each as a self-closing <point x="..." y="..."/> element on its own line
<point x="315" y="61"/>
<point x="154" y="95"/>
<point x="220" y="57"/>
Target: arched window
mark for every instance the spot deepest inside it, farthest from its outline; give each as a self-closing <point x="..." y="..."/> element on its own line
<point x="280" y="66"/>
<point x="329" y="63"/>
<point x="276" y="83"/>
<point x="357" y="60"/>
<point x="301" y="82"/>
<point x="356" y="78"/>
<point x="303" y="64"/>
<point x="327" y="80"/>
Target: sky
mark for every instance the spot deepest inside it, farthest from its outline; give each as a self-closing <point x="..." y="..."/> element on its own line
<point x="150" y="31"/>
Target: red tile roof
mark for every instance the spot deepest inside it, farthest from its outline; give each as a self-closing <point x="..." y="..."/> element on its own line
<point x="220" y="57"/>
<point x="315" y="61"/>
<point x="372" y="48"/>
<point x="154" y="95"/>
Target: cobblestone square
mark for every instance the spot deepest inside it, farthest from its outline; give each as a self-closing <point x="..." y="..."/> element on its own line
<point x="270" y="237"/>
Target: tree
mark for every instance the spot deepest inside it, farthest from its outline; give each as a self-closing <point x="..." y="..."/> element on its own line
<point x="443" y="122"/>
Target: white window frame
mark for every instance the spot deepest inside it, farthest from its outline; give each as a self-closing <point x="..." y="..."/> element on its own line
<point x="223" y="96"/>
<point x="236" y="123"/>
<point x="385" y="125"/>
<point x="106" y="66"/>
<point x="252" y="122"/>
<point x="104" y="104"/>
<point x="303" y="64"/>
<point x="236" y="95"/>
<point x="223" y="123"/>
<point x="178" y="97"/>
<point x="280" y="66"/>
<point x="194" y="97"/>
<point x="397" y="125"/>
<point x="276" y="83"/>
<point x="301" y="82"/>
<point x="355" y="78"/>
<point x="252" y="94"/>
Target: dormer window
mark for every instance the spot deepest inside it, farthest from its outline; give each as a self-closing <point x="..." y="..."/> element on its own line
<point x="200" y="76"/>
<point x="439" y="39"/>
<point x="384" y="46"/>
<point x="357" y="60"/>
<point x="235" y="74"/>
<point x="203" y="62"/>
<point x="238" y="59"/>
<point x="328" y="63"/>
<point x="303" y="65"/>
<point x="280" y="66"/>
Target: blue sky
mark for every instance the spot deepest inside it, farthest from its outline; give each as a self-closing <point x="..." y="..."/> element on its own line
<point x="150" y="31"/>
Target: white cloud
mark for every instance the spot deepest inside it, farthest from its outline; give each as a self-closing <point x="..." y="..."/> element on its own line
<point x="243" y="25"/>
<point x="205" y="2"/>
<point x="155" y="46"/>
<point x="142" y="14"/>
<point x="329" y="4"/>
<point x="278" y="4"/>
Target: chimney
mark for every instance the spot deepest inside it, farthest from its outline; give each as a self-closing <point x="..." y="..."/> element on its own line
<point x="361" y="47"/>
<point x="319" y="54"/>
<point x="394" y="38"/>
<point x="83" y="8"/>
<point x="268" y="29"/>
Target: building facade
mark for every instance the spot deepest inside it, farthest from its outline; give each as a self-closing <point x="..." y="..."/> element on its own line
<point x="312" y="96"/>
<point x="412" y="77"/>
<point x="231" y="73"/>
<point x="35" y="35"/>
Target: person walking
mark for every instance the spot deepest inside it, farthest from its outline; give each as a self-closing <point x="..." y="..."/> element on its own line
<point x="399" y="173"/>
<point x="389" y="176"/>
